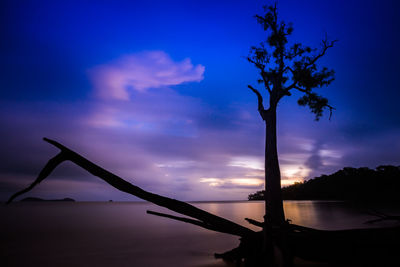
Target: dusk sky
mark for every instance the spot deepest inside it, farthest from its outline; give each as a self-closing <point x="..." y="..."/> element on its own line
<point x="156" y="92"/>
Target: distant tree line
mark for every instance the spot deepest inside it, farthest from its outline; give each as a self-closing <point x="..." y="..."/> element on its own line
<point x="353" y="184"/>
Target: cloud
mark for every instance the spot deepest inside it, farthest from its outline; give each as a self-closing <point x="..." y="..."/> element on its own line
<point x="315" y="161"/>
<point x="245" y="183"/>
<point x="141" y="71"/>
<point x="169" y="148"/>
<point x="171" y="144"/>
<point x="155" y="111"/>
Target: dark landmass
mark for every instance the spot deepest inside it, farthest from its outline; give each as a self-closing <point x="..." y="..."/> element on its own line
<point x="349" y="184"/>
<point x="36" y="199"/>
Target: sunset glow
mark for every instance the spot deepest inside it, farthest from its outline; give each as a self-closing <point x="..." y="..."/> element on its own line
<point x="247" y="182"/>
<point x="247" y="162"/>
<point x="156" y="92"/>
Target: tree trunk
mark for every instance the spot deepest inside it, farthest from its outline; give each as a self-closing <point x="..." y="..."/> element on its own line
<point x="274" y="214"/>
<point x="274" y="219"/>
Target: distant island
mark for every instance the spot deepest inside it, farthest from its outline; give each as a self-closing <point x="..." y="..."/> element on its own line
<point x="349" y="184"/>
<point x="36" y="199"/>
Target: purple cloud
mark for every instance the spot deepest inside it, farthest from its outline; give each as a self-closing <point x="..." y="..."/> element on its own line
<point x="169" y="143"/>
<point x="141" y="71"/>
<point x="163" y="142"/>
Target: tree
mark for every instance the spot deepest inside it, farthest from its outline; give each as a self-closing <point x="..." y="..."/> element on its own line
<point x="284" y="68"/>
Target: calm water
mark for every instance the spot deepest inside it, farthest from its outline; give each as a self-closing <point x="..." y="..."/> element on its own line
<point x="122" y="234"/>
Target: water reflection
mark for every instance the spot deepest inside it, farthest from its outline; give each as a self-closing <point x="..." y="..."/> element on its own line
<point x="122" y="234"/>
<point x="236" y="211"/>
<point x="327" y="215"/>
<point x="331" y="215"/>
<point x="301" y="213"/>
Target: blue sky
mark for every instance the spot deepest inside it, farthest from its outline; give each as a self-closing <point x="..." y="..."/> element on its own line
<point x="156" y="91"/>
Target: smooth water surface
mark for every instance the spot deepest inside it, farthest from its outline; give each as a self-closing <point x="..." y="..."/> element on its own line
<point x="122" y="234"/>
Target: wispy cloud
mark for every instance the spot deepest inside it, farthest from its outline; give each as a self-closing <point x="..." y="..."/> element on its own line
<point x="245" y="183"/>
<point x="157" y="111"/>
<point x="170" y="143"/>
<point x="217" y="162"/>
<point x="141" y="71"/>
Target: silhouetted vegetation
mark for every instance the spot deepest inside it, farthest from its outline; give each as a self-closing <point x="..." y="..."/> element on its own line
<point x="284" y="67"/>
<point x="283" y="70"/>
<point x="351" y="184"/>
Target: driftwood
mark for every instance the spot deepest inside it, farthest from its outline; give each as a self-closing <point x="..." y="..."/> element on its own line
<point x="355" y="247"/>
<point x="359" y="247"/>
<point x="381" y="217"/>
<point x="217" y="223"/>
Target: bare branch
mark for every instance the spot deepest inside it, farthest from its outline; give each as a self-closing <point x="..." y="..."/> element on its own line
<point x="325" y="46"/>
<point x="254" y="222"/>
<point x="261" y="109"/>
<point x="331" y="109"/>
<point x="187" y="220"/>
<point x="48" y="168"/>
<point x="302" y="228"/>
<point x="124" y="186"/>
<point x="382" y="217"/>
<point x="259" y="98"/>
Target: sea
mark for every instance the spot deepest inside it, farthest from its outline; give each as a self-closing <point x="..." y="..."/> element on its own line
<point x="122" y="234"/>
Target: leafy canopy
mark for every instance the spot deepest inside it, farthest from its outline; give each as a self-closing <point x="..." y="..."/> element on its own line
<point x="285" y="67"/>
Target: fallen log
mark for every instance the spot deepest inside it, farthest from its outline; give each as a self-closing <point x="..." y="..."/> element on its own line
<point x="187" y="220"/>
<point x="219" y="223"/>
<point x="354" y="247"/>
<point x="358" y="247"/>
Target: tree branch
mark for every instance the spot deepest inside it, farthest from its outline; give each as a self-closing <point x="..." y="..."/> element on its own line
<point x="288" y="68"/>
<point x="300" y="89"/>
<point x="48" y="168"/>
<point x="261" y="109"/>
<point x="286" y="91"/>
<point x="266" y="82"/>
<point x="259" y="98"/>
<point x="382" y="217"/>
<point x="322" y="106"/>
<point x="258" y="65"/>
<point x="124" y="186"/>
<point x="254" y="222"/>
<point x="261" y="67"/>
<point x="187" y="220"/>
<point x="325" y="47"/>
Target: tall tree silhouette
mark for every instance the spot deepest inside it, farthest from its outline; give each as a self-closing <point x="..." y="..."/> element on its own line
<point x="284" y="68"/>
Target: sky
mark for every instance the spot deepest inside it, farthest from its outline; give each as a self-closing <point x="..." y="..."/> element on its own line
<point x="156" y="92"/>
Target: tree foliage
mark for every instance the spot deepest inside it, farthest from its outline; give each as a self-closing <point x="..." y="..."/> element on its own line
<point x="352" y="184"/>
<point x="285" y="67"/>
